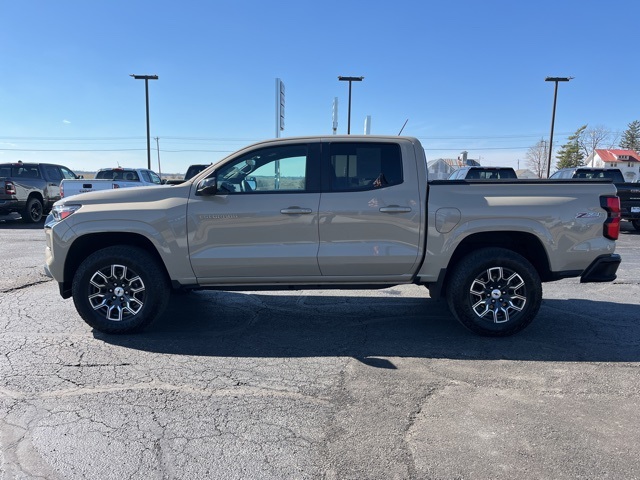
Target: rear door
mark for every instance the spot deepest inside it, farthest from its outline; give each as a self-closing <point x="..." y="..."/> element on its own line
<point x="370" y="210"/>
<point x="262" y="224"/>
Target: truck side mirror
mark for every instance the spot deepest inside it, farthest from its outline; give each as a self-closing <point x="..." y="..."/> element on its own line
<point x="208" y="187"/>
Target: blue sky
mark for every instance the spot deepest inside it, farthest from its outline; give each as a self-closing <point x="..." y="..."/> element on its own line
<point x="468" y="75"/>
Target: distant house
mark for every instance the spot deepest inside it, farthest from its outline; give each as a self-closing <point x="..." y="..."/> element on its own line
<point x="441" y="168"/>
<point x="628" y="161"/>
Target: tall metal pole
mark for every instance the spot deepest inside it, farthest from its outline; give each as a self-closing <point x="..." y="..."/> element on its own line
<point x="553" y="115"/>
<point x="146" y="79"/>
<point x="350" y="79"/>
<point x="553" y="121"/>
<point x="349" y="115"/>
<point x="146" y="94"/>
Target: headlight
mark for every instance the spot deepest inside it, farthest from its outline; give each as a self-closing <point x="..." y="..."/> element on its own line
<point x="60" y="212"/>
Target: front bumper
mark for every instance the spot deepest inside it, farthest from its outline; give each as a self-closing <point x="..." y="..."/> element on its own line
<point x="602" y="269"/>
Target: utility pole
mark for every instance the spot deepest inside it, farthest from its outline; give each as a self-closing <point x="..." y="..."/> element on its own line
<point x="158" y="150"/>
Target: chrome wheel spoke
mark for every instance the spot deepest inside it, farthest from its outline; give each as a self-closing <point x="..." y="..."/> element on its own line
<point x="497" y="294"/>
<point x="117" y="292"/>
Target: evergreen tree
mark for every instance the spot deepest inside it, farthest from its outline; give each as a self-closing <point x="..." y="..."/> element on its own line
<point x="631" y="137"/>
<point x="570" y="154"/>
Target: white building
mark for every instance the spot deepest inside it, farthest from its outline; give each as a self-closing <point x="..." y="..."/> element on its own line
<point x="628" y="161"/>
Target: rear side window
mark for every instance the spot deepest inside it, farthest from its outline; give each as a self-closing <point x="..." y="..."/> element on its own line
<point x="364" y="166"/>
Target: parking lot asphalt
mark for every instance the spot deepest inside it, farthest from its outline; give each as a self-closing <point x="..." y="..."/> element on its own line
<point x="318" y="384"/>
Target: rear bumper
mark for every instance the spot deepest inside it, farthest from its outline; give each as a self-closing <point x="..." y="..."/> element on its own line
<point x="9" y="206"/>
<point x="602" y="269"/>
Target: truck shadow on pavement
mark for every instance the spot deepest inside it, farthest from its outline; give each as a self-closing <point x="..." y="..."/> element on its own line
<point x="231" y="324"/>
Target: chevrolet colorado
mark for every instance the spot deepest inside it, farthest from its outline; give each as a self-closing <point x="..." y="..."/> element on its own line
<point x="331" y="212"/>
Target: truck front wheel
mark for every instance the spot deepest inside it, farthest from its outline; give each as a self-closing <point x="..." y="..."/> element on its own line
<point x="120" y="289"/>
<point x="494" y="292"/>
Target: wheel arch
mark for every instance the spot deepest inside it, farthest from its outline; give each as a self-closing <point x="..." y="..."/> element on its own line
<point x="87" y="244"/>
<point x="525" y="244"/>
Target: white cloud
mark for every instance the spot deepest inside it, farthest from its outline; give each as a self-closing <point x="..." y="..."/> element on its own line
<point x="66" y="122"/>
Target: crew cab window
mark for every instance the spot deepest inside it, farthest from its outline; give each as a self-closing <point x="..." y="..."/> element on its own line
<point x="364" y="166"/>
<point x="276" y="169"/>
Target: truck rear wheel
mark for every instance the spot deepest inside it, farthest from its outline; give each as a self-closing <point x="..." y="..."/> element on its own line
<point x="33" y="211"/>
<point x="636" y="224"/>
<point x="494" y="292"/>
<point x="120" y="289"/>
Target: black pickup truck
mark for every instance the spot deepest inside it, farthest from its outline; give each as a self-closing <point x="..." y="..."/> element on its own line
<point x="628" y="192"/>
<point x="30" y="189"/>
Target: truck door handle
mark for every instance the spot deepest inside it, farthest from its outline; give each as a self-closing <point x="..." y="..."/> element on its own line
<point x="295" y="211"/>
<point x="395" y="209"/>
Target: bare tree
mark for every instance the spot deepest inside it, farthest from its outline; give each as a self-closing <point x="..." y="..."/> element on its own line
<point x="537" y="156"/>
<point x="597" y="137"/>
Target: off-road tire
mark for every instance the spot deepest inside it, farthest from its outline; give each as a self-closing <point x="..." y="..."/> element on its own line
<point x="494" y="292"/>
<point x="120" y="289"/>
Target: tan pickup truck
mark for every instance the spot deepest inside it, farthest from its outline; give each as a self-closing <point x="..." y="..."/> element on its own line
<point x="331" y="212"/>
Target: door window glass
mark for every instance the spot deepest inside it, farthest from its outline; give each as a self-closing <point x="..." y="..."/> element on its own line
<point x="364" y="166"/>
<point x="153" y="176"/>
<point x="66" y="173"/>
<point x="277" y="169"/>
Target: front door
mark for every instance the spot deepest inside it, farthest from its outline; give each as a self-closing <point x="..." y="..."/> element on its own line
<point x="263" y="221"/>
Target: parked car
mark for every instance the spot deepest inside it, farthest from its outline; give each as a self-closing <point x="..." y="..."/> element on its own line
<point x="628" y="192"/>
<point x="483" y="173"/>
<point x="331" y="212"/>
<point x="29" y="190"/>
<point x="109" y="178"/>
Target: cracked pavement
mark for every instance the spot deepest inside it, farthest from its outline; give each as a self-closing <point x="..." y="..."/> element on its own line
<point x="317" y="384"/>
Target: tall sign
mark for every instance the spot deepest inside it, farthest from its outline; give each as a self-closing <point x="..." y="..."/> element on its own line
<point x="335" y="115"/>
<point x="279" y="107"/>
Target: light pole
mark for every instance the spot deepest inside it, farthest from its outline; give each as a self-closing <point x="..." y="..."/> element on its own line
<point x="553" y="115"/>
<point x="350" y="79"/>
<point x="146" y="79"/>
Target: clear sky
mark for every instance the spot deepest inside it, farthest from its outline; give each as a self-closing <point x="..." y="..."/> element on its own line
<point x="467" y="75"/>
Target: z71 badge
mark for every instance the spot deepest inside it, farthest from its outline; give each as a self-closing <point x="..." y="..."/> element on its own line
<point x="588" y="215"/>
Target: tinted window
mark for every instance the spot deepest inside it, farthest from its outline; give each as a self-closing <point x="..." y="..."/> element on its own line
<point x="27" y="171"/>
<point x="276" y="169"/>
<point x="53" y="173"/>
<point x="363" y="166"/>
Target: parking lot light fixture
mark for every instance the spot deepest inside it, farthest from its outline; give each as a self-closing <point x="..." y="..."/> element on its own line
<point x="553" y="114"/>
<point x="350" y="79"/>
<point x="146" y="79"/>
